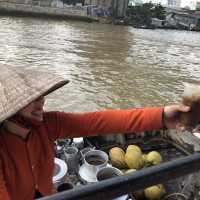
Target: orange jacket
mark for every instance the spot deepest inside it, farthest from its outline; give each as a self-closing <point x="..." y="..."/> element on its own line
<point x="27" y="165"/>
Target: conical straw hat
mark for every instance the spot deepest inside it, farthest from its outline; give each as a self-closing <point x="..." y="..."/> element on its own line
<point x="20" y="87"/>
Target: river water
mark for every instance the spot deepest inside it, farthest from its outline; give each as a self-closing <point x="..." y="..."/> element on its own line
<point x="108" y="66"/>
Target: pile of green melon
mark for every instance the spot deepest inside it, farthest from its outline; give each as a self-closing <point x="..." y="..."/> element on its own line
<point x="132" y="160"/>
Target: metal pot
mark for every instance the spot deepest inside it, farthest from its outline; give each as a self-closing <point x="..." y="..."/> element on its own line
<point x="110" y="172"/>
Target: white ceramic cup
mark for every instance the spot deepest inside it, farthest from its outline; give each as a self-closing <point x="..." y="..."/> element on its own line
<point x="95" y="160"/>
<point x="92" y="161"/>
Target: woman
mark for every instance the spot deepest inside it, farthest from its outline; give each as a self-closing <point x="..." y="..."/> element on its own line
<point x="28" y="133"/>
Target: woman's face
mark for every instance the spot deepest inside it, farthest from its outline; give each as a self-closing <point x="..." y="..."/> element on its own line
<point x="34" y="110"/>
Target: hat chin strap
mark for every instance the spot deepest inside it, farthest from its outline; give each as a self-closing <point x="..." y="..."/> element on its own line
<point x="25" y="122"/>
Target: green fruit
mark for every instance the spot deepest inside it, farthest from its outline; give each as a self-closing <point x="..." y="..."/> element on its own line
<point x="133" y="159"/>
<point x="134" y="147"/>
<point x="144" y="158"/>
<point x="155" y="192"/>
<point x="154" y="158"/>
<point x="117" y="157"/>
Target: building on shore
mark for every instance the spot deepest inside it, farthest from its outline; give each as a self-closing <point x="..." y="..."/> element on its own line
<point x="174" y="3"/>
<point x="197" y="5"/>
<point x="97" y="10"/>
<point x="115" y="8"/>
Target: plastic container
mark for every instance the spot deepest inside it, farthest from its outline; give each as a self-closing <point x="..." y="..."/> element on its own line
<point x="191" y="97"/>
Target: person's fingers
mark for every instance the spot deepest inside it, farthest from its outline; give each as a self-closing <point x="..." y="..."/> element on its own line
<point x="171" y="111"/>
<point x="183" y="108"/>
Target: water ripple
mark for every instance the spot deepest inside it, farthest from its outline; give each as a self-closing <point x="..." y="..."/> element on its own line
<point x="109" y="66"/>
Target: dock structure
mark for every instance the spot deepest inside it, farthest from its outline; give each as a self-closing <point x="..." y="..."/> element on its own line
<point x="183" y="19"/>
<point x="89" y="10"/>
<point x="50" y="8"/>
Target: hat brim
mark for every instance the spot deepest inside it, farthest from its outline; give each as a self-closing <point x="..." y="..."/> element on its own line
<point x="55" y="87"/>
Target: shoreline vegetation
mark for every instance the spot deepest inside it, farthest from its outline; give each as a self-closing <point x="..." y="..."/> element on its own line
<point x="152" y="16"/>
<point x="141" y="15"/>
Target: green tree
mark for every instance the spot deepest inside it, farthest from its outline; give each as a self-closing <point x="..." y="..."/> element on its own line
<point x="142" y="14"/>
<point x="159" y="12"/>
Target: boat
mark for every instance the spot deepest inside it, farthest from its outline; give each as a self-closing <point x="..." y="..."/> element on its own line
<point x="178" y="171"/>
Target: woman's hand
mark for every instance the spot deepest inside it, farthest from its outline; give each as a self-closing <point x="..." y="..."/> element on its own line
<point x="171" y="116"/>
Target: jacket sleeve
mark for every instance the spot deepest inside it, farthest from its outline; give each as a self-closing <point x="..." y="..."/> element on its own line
<point x="69" y="125"/>
<point x="3" y="191"/>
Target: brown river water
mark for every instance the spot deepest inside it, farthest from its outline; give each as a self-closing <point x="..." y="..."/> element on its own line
<point x="108" y="66"/>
